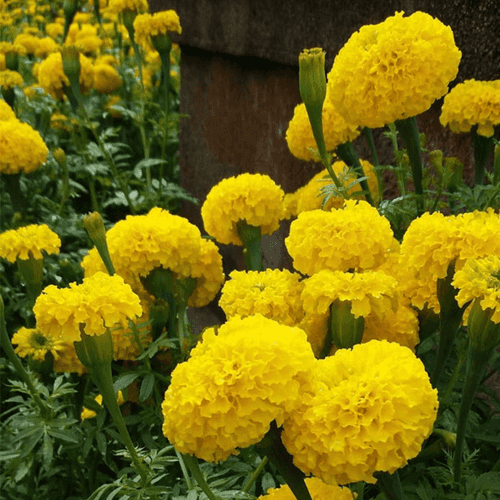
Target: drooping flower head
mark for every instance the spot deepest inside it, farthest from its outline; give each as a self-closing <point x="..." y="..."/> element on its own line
<point x="472" y="103"/>
<point x="373" y="408"/>
<point x="28" y="241"/>
<point x="393" y="70"/>
<point x="99" y="303"/>
<point x="312" y="195"/>
<point x="34" y="343"/>
<point x="336" y="130"/>
<point x="141" y="243"/>
<point x="274" y="293"/>
<point x="253" y="198"/>
<point x="355" y="237"/>
<point x="317" y="488"/>
<point x="236" y="382"/>
<point x="22" y="147"/>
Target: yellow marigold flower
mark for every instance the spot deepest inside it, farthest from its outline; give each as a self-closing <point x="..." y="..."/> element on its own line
<point x="121" y="6"/>
<point x="36" y="344"/>
<point x="67" y="361"/>
<point x="371" y="292"/>
<point x="29" y="42"/>
<point x="253" y="198"/>
<point x="274" y="293"/>
<point x="12" y="48"/>
<point x="53" y="80"/>
<point x="393" y="70"/>
<point x="45" y="47"/>
<point x="54" y="30"/>
<point x="373" y="408"/>
<point x="106" y="78"/>
<point x="336" y="129"/>
<point x="5" y="19"/>
<point x="6" y="112"/>
<point x="10" y="79"/>
<point x="160" y="23"/>
<point x="311" y="196"/>
<point x="141" y="243"/>
<point x="355" y="237"/>
<point x="480" y="279"/>
<point x="317" y="488"/>
<point x="433" y="241"/>
<point x="2" y="62"/>
<point x="472" y="103"/>
<point x="235" y="383"/>
<point x="86" y="413"/>
<point x="23" y="149"/>
<point x="100" y="302"/>
<point x="28" y="241"/>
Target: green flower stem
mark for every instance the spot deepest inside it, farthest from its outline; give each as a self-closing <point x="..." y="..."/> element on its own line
<point x="31" y="270"/>
<point x="347" y="154"/>
<point x="482" y="150"/>
<point x="408" y="130"/>
<point x="255" y="475"/>
<point x="194" y="467"/>
<point x="12" y="356"/>
<point x="452" y="382"/>
<point x="390" y="485"/>
<point x="252" y="251"/>
<point x="103" y="378"/>
<point x="367" y="133"/>
<point x="477" y="361"/>
<point x="13" y="187"/>
<point x="165" y="78"/>
<point x="278" y="455"/>
<point x="450" y="320"/>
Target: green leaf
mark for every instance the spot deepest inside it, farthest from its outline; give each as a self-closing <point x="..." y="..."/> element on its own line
<point x="488" y="482"/>
<point x="192" y="495"/>
<point x="23" y="469"/>
<point x="47" y="451"/>
<point x="101" y="443"/>
<point x="125" y="380"/>
<point x="268" y="482"/>
<point x="66" y="435"/>
<point x="146" y="387"/>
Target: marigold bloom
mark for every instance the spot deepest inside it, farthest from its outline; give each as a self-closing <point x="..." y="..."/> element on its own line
<point x="141" y="243"/>
<point x="235" y="383"/>
<point x="317" y="488"/>
<point x="253" y="198"/>
<point x="28" y="241"/>
<point x="6" y="112"/>
<point x="54" y="30"/>
<point x="355" y="237"/>
<point x="29" y="42"/>
<point x="53" y="80"/>
<point x="106" y="79"/>
<point x="121" y="6"/>
<point x="480" y="279"/>
<point x="160" y="23"/>
<point x="311" y="196"/>
<point x="34" y="343"/>
<point x="393" y="70"/>
<point x="100" y="302"/>
<point x="273" y="293"/>
<point x="45" y="47"/>
<point x="336" y="130"/>
<point x="10" y="79"/>
<point x="373" y="408"/>
<point x="472" y="103"/>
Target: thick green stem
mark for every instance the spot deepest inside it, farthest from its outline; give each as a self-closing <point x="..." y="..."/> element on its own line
<point x="483" y="146"/>
<point x="12" y="356"/>
<point x="347" y="154"/>
<point x="477" y="361"/>
<point x="192" y="464"/>
<point x="278" y="455"/>
<point x="13" y="187"/>
<point x="390" y="485"/>
<point x="408" y="130"/>
<point x="251" y="237"/>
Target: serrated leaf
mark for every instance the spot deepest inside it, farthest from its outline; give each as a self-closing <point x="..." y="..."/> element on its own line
<point x="268" y="482"/>
<point x="66" y="435"/>
<point x="146" y="387"/>
<point x="125" y="380"/>
<point x="192" y="495"/>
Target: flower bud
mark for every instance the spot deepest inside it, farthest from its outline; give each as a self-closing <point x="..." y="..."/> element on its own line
<point x="346" y="329"/>
<point x="483" y="332"/>
<point x="312" y="79"/>
<point x="59" y="156"/>
<point x="94" y="225"/>
<point x="455" y="169"/>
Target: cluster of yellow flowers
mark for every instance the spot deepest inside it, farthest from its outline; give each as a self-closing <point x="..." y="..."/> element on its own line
<point x="317" y="488"/>
<point x="148" y="26"/>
